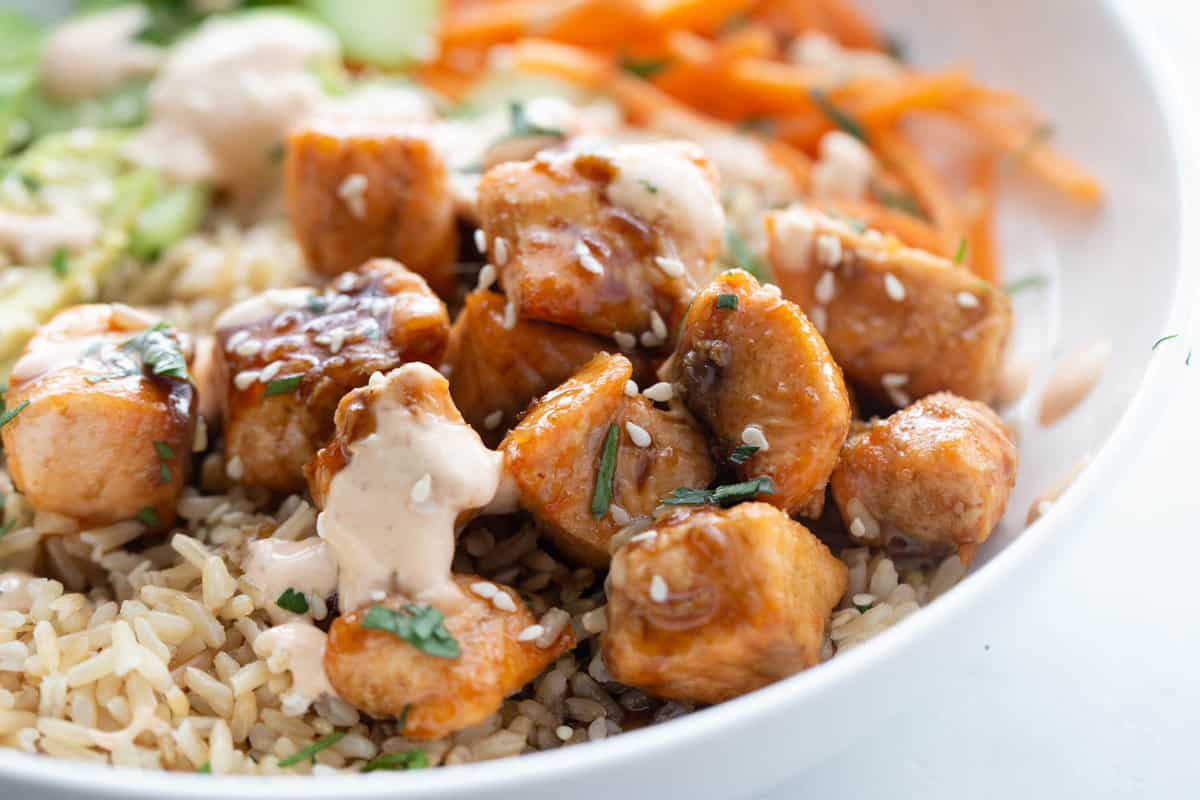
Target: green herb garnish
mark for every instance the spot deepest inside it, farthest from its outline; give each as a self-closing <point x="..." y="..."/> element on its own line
<point x="603" y="492"/>
<point x="961" y="252"/>
<point x="1164" y="339"/>
<point x="402" y="720"/>
<point x="648" y="186"/>
<point x="727" y="302"/>
<point x="409" y="759"/>
<point x="159" y="352"/>
<point x="149" y="517"/>
<point x="725" y="495"/>
<point x="31" y="184"/>
<point x="9" y="414"/>
<point x="276" y="153"/>
<point x="1040" y="135"/>
<point x="316" y="303"/>
<point x="292" y="601"/>
<point x="837" y="116"/>
<point x="743" y="257"/>
<point x="901" y="201"/>
<point x="310" y="753"/>
<point x="6" y="527"/>
<point x="646" y="69"/>
<point x="741" y="454"/>
<point x="58" y="262"/>
<point x="205" y="768"/>
<point x="283" y="385"/>
<point x="422" y="626"/>
<point x="1028" y="282"/>
<point x="165" y="454"/>
<point x="896" y="47"/>
<point x="757" y="123"/>
<point x="522" y="126"/>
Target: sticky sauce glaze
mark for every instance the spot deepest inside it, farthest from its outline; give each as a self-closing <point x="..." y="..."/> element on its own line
<point x="229" y="93"/>
<point x="84" y="338"/>
<point x="276" y="565"/>
<point x="94" y="54"/>
<point x="390" y="512"/>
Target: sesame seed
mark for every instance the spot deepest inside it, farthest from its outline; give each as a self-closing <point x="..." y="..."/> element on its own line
<point x="378" y="595"/>
<point x="658" y="589"/>
<point x="644" y="536"/>
<point x="857" y="527"/>
<point x="824" y="290"/>
<point x="893" y="380"/>
<point x="530" y="633"/>
<point x="829" y="250"/>
<point x="587" y="260"/>
<point x="270" y="371"/>
<point x="500" y="251"/>
<point x="234" y="469"/>
<point x="502" y="601"/>
<point x="772" y="289"/>
<point x="487" y="276"/>
<point x="493" y="420"/>
<point x="967" y="300"/>
<point x="894" y="288"/>
<point x="510" y="315"/>
<point x="563" y="732"/>
<point x="236" y="340"/>
<point x="660" y="392"/>
<point x="375" y="380"/>
<point x="484" y="589"/>
<point x="249" y="348"/>
<point x="671" y="267"/>
<point x="648" y="339"/>
<point x="658" y="326"/>
<point x="631" y="388"/>
<point x="480" y="240"/>
<point x="637" y="434"/>
<point x="351" y="192"/>
<point x="422" y="490"/>
<point x="753" y="436"/>
<point x="625" y="341"/>
<point x="245" y="379"/>
<point x="863" y="599"/>
<point x="618" y="514"/>
<point x="819" y="318"/>
<point x="346" y="281"/>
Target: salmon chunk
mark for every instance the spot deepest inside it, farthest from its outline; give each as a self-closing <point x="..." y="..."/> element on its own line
<point x="614" y="243"/>
<point x="105" y="415"/>
<point x="711" y="604"/>
<point x="931" y="479"/>
<point x="387" y="676"/>
<point x="286" y="357"/>
<point x="901" y="322"/>
<point x="752" y="368"/>
<point x="359" y="189"/>
<point x="589" y="457"/>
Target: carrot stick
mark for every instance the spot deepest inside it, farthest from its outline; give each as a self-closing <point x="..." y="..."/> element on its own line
<point x="981" y="252"/>
<point x="501" y="21"/>
<point x="924" y="182"/>
<point x="695" y="15"/>
<point x="887" y="100"/>
<point x="912" y="231"/>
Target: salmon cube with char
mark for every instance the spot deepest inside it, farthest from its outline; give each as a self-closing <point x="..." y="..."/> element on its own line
<point x="286" y="357"/>
<point x="360" y="189"/>
<point x="931" y="479"/>
<point x="901" y="322"/>
<point x="710" y="604"/>
<point x="613" y="242"/>
<point x="386" y="676"/>
<point x="589" y="457"/>
<point x="753" y="370"/>
<point x="103" y="415"/>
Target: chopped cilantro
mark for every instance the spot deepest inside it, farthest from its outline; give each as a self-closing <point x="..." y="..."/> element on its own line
<point x="727" y="302"/>
<point x="283" y="385"/>
<point x="522" y="126"/>
<point x="725" y="495"/>
<point x="648" y="186"/>
<point x="293" y="601"/>
<point x="422" y="626"/>
<point x="646" y="69"/>
<point x="316" y="303"/>
<point x="603" y="492"/>
<point x="149" y="517"/>
<point x="409" y="759"/>
<point x="402" y="720"/>
<point x="205" y="768"/>
<point x="901" y="201"/>
<point x="1028" y="282"/>
<point x="276" y="153"/>
<point x="961" y="253"/>
<point x="8" y="415"/>
<point x="59" y="263"/>
<point x="310" y="753"/>
<point x="1164" y="339"/>
<point x="742" y="453"/>
<point x="165" y="454"/>
<point x="159" y="351"/>
<point x="837" y="116"/>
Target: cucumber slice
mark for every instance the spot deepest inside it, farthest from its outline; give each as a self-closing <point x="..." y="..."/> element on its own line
<point x="383" y="33"/>
<point x="168" y="219"/>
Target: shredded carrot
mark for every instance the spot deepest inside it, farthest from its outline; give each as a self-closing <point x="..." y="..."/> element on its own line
<point x="911" y="230"/>
<point x="695" y="15"/>
<point x="925" y="184"/>
<point x="981" y="209"/>
<point x="883" y="104"/>
<point x="490" y="23"/>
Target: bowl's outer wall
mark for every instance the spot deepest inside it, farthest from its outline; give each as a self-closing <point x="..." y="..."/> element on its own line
<point x="1077" y="61"/>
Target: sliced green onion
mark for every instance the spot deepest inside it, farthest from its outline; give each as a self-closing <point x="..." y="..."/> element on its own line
<point x="422" y="626"/>
<point x="283" y="385"/>
<point x="727" y="302"/>
<point x="293" y="601"/>
<point x="602" y="494"/>
<point x="310" y="753"/>
<point x="837" y="116"/>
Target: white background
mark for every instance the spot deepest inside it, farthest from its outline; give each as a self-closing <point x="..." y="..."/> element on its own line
<point x="1089" y="684"/>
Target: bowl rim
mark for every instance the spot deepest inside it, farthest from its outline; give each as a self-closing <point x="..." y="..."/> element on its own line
<point x="1136" y="422"/>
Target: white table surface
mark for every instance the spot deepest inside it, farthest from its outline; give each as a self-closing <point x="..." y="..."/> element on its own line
<point x="1089" y="684"/>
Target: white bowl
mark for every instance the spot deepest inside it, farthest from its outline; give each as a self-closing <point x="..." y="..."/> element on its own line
<point x="1121" y="277"/>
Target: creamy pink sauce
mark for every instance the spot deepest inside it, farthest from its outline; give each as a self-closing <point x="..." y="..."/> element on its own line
<point x="94" y="54"/>
<point x="276" y="565"/>
<point x="304" y="647"/>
